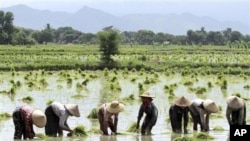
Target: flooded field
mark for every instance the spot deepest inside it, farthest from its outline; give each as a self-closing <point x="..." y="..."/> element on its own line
<point x="89" y="89"/>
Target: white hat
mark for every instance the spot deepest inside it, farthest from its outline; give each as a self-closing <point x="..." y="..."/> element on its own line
<point x="38" y="118"/>
<point x="73" y="109"/>
<point x="115" y="107"/>
<point x="210" y="106"/>
<point x="182" y="102"/>
<point x="235" y="102"/>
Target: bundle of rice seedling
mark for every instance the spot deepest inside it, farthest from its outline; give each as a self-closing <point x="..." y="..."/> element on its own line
<point x="79" y="131"/>
<point x="132" y="127"/>
<point x="202" y="135"/>
<point x="41" y="136"/>
<point x="185" y="138"/>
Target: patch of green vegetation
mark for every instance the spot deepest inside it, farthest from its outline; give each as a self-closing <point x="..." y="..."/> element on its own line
<point x="28" y="99"/>
<point x="80" y="131"/>
<point x="203" y="135"/>
<point x="93" y="114"/>
<point x="78" y="96"/>
<point x="49" y="102"/>
<point x="132" y="127"/>
<point x="185" y="138"/>
<point x="218" y="128"/>
<point x="5" y="116"/>
<point x="41" y="136"/>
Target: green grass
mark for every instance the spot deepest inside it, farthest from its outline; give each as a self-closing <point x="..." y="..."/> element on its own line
<point x="182" y="59"/>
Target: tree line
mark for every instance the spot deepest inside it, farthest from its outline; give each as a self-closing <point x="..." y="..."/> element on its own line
<point x="10" y="34"/>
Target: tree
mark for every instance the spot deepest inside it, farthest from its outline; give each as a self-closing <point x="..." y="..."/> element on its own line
<point x="6" y="27"/>
<point x="47" y="34"/>
<point x="109" y="40"/>
<point x="145" y="37"/>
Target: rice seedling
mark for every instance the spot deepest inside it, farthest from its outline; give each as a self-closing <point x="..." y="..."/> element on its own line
<point x="132" y="127"/>
<point x="77" y="96"/>
<point x="93" y="114"/>
<point x="185" y="138"/>
<point x="202" y="135"/>
<point x="5" y="116"/>
<point x="79" y="131"/>
<point x="28" y="99"/>
<point x="218" y="128"/>
<point x="41" y="136"/>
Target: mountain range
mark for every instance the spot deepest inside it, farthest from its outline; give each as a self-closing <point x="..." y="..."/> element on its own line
<point x="92" y="20"/>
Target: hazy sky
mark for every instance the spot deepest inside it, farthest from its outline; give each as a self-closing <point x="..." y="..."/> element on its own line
<point x="233" y="10"/>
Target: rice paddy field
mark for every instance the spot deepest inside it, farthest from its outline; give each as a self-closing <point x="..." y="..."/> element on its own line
<point x="37" y="75"/>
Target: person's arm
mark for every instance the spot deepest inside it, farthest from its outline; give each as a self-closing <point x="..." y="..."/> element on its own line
<point x="207" y="122"/>
<point x="228" y="115"/>
<point x="154" y="114"/>
<point x="115" y="122"/>
<point x="202" y="118"/>
<point x="140" y="114"/>
<point x="63" y="122"/>
<point x="105" y="124"/>
<point x="186" y="110"/>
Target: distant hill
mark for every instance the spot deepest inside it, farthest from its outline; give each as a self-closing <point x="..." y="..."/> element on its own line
<point x="92" y="20"/>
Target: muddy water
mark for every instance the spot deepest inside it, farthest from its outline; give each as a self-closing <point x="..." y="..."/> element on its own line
<point x="97" y="91"/>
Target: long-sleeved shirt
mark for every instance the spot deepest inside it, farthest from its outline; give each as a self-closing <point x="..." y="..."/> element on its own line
<point x="25" y="113"/>
<point x="106" y="118"/>
<point x="197" y="109"/>
<point x="151" y="112"/>
<point x="176" y="114"/>
<point x="236" y="116"/>
<point x="62" y="113"/>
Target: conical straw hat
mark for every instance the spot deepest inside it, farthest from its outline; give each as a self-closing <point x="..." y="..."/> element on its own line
<point x="210" y="106"/>
<point x="235" y="102"/>
<point x="73" y="109"/>
<point x="182" y="102"/>
<point x="38" y="118"/>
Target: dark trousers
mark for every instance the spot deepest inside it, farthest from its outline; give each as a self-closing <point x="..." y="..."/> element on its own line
<point x="52" y="126"/>
<point x="196" y="121"/>
<point x="235" y="117"/>
<point x="19" y="125"/>
<point x="147" y="126"/>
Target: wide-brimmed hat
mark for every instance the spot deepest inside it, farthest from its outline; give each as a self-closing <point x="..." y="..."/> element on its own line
<point x="146" y="94"/>
<point x="235" y="102"/>
<point x="182" y="102"/>
<point x="115" y="107"/>
<point x="73" y="109"/>
<point x="210" y="106"/>
<point x="38" y="118"/>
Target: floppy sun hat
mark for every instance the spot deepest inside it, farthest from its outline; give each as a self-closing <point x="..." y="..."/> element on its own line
<point x="38" y="118"/>
<point x="73" y="109"/>
<point x="235" y="102"/>
<point x="182" y="102"/>
<point x="146" y="94"/>
<point x="210" y="106"/>
<point x="115" y="107"/>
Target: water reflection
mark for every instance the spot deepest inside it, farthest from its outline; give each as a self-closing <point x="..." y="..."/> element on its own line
<point x="144" y="138"/>
<point x="174" y="136"/>
<point x="108" y="138"/>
